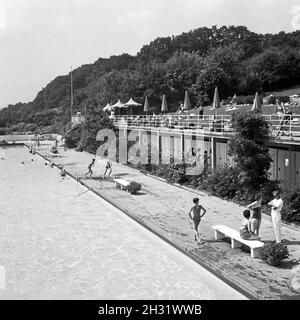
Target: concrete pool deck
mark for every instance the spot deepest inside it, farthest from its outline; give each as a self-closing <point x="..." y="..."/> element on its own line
<point x="163" y="208"/>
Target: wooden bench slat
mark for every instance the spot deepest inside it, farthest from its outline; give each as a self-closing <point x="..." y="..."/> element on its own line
<point x="122" y="181"/>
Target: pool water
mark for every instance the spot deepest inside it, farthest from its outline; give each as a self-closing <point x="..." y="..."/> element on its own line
<point x="59" y="241"/>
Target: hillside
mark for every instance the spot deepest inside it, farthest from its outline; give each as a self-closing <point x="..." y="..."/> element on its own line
<point x="287" y="91"/>
<point x="232" y="58"/>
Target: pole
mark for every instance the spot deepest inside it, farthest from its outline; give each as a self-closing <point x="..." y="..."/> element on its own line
<point x="71" y="93"/>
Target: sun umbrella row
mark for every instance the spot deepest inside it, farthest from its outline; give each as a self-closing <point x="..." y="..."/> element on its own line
<point x="119" y="104"/>
<point x="132" y="103"/>
<point x="186" y="106"/>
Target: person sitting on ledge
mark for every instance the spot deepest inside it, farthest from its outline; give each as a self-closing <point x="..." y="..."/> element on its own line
<point x="245" y="230"/>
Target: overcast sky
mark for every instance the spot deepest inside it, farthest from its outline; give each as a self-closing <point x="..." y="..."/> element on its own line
<point x="41" y="39"/>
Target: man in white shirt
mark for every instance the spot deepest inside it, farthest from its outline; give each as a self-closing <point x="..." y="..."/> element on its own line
<point x="276" y="205"/>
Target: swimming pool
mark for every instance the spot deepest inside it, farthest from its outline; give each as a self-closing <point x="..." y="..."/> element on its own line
<point x="60" y="241"/>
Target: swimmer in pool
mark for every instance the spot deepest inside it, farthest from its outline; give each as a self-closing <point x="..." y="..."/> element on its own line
<point x="196" y="217"/>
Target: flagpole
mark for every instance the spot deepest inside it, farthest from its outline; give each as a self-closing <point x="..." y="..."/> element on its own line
<point x="71" y="93"/>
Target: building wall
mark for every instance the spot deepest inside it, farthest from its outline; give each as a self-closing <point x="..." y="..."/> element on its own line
<point x="285" y="165"/>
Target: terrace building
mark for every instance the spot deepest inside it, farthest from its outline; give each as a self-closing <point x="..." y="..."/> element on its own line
<point x="174" y="136"/>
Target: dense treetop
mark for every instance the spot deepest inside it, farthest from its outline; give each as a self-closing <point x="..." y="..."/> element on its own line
<point x="232" y="58"/>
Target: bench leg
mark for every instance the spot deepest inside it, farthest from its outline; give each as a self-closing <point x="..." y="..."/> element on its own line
<point x="235" y="244"/>
<point x="255" y="253"/>
<point x="219" y="235"/>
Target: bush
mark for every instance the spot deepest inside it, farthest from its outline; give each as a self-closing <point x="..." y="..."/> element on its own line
<point x="284" y="99"/>
<point x="245" y="99"/>
<point x="248" y="149"/>
<point x="175" y="173"/>
<point x="273" y="253"/>
<point x="134" y="187"/>
<point x="223" y="182"/>
<point x="291" y="206"/>
<point x="73" y="137"/>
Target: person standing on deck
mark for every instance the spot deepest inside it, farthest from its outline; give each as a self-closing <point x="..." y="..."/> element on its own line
<point x="276" y="205"/>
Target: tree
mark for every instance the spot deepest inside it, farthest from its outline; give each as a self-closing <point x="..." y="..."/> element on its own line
<point x="94" y="121"/>
<point x="251" y="156"/>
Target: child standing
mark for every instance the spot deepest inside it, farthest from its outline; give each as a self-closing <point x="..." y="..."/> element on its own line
<point x="196" y="217"/>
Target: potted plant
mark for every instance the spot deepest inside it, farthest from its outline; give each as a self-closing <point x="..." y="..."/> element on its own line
<point x="273" y="253"/>
<point x="134" y="187"/>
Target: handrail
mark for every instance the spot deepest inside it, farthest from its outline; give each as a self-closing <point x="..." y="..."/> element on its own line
<point x="284" y="125"/>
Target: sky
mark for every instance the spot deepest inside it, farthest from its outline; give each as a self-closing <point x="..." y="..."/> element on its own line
<point x="41" y="39"/>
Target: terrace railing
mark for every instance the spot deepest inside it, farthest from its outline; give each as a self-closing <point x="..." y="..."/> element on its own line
<point x="221" y="124"/>
<point x="287" y="126"/>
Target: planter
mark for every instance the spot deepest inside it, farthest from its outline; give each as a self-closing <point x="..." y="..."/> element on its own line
<point x="134" y="187"/>
<point x="274" y="261"/>
<point x="274" y="253"/>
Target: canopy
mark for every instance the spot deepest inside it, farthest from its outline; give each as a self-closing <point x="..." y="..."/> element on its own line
<point x="216" y="102"/>
<point x="164" y="105"/>
<point x="146" y="105"/>
<point x="119" y="104"/>
<point x="256" y="103"/>
<point x="131" y="103"/>
<point x="108" y="107"/>
<point x="187" y="104"/>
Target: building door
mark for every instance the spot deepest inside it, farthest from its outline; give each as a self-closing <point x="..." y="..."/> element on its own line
<point x="273" y="169"/>
<point x="297" y="168"/>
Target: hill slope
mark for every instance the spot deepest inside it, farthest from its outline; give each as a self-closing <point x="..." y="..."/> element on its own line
<point x="232" y="58"/>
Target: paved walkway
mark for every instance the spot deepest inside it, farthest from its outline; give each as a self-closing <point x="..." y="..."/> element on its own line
<point x="164" y="208"/>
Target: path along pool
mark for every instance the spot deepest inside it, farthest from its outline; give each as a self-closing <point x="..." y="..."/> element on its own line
<point x="59" y="241"/>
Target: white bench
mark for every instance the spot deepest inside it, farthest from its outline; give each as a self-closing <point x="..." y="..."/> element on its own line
<point x="122" y="183"/>
<point x="222" y="231"/>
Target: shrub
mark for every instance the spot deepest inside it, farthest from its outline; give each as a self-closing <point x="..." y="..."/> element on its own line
<point x="273" y="253"/>
<point x="73" y="137"/>
<point x="248" y="149"/>
<point x="134" y="187"/>
<point x="291" y="206"/>
<point x="223" y="182"/>
<point x="175" y="173"/>
<point x="245" y="99"/>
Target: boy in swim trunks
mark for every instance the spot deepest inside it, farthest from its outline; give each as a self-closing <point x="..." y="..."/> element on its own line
<point x="108" y="166"/>
<point x="90" y="171"/>
<point x="196" y="217"/>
